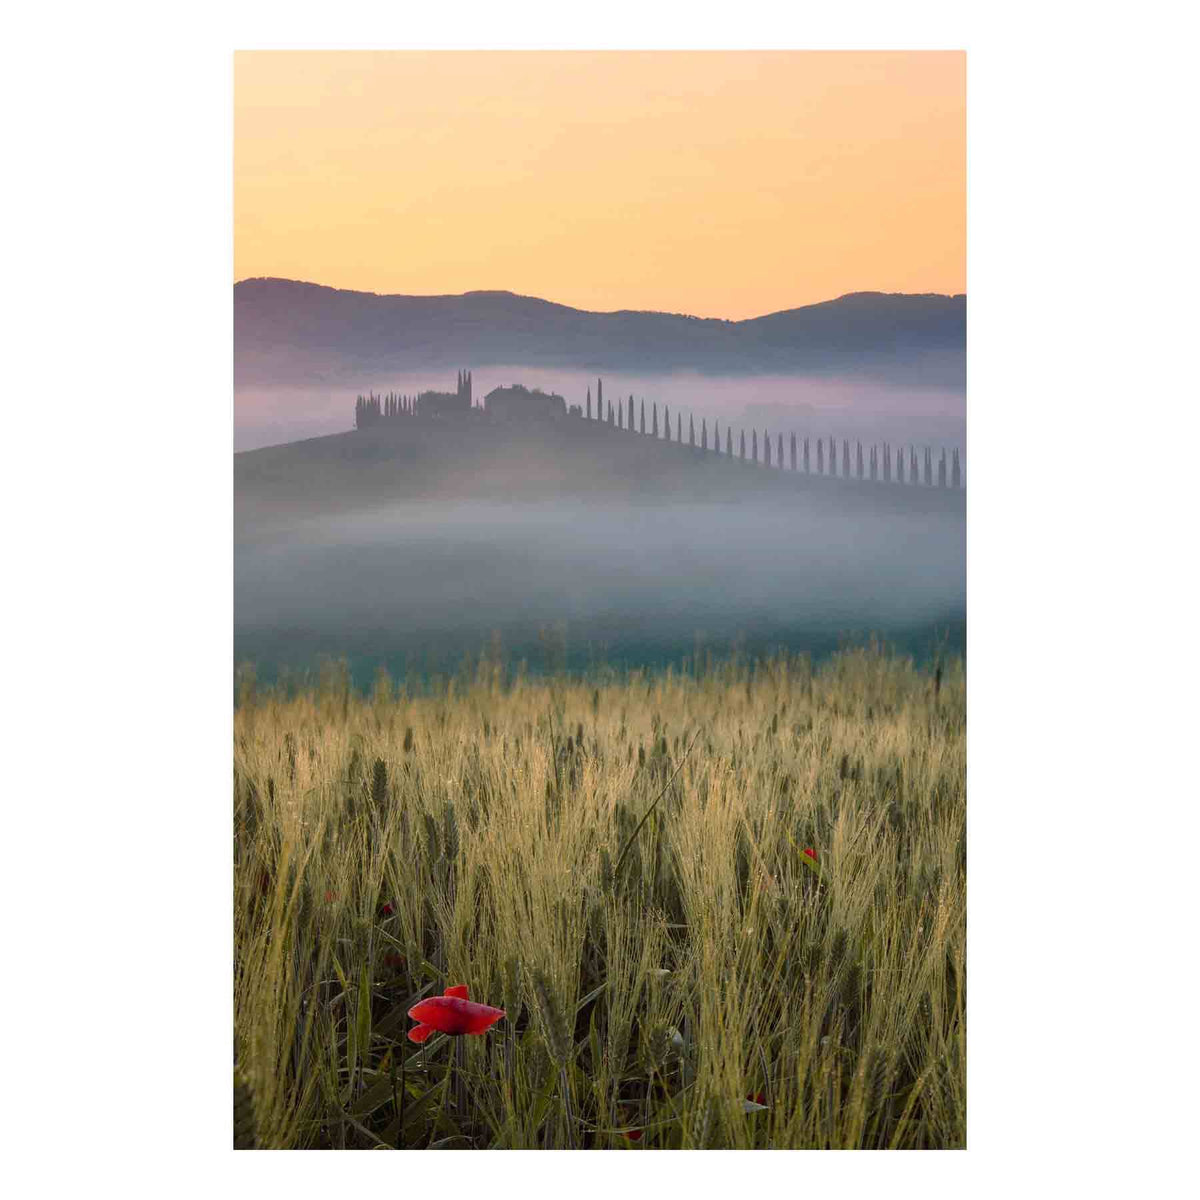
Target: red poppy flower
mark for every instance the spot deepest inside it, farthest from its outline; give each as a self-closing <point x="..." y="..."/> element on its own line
<point x="811" y="853"/>
<point x="758" y="1098"/>
<point x="452" y="1013"/>
<point x="634" y="1135"/>
<point x="330" y="897"/>
<point x="386" y="910"/>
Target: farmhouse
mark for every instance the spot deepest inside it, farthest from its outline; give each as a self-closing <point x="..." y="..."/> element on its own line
<point x="519" y="403"/>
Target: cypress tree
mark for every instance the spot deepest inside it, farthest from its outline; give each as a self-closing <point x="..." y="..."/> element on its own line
<point x="767" y="447"/>
<point x="779" y="456"/>
<point x="942" y="469"/>
<point x="654" y="427"/>
<point x="743" y="445"/>
<point x="630" y="425"/>
<point x="793" y="452"/>
<point x="956" y="471"/>
<point x="599" y="399"/>
<point x="643" y="416"/>
<point x="691" y="431"/>
<point x="589" y="404"/>
<point x="611" y="418"/>
<point x="620" y="415"/>
<point x="754" y="438"/>
<point x="900" y="465"/>
<point x="716" y="436"/>
<point x="806" y="456"/>
<point x="679" y="426"/>
<point x="928" y="467"/>
<point x="703" y="434"/>
<point x="820" y="456"/>
<point x="860" y="462"/>
<point x="845" y="458"/>
<point x="667" y="422"/>
<point x="729" y="443"/>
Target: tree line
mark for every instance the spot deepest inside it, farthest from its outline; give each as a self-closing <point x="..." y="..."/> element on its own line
<point x="810" y="456"/>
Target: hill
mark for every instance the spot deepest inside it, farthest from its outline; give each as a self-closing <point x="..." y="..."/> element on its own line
<point x="292" y="333"/>
<point x="414" y="462"/>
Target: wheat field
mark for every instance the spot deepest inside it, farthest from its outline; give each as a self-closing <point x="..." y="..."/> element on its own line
<point x="618" y="862"/>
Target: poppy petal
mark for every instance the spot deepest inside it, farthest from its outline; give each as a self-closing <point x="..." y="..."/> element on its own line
<point x="453" y="1015"/>
<point x="460" y="990"/>
<point x="419" y="1033"/>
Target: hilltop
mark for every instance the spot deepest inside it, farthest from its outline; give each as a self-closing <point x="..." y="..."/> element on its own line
<point x="414" y="462"/>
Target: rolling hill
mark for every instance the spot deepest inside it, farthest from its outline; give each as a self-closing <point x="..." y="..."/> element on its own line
<point x="288" y="333"/>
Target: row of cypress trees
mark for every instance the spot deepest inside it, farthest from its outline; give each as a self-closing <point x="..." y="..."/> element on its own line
<point x="880" y="460"/>
<point x="370" y="409"/>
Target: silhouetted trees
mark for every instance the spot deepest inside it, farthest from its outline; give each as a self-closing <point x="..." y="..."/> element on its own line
<point x="370" y="409"/>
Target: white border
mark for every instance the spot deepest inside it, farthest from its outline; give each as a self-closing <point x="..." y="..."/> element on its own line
<point x="118" y="489"/>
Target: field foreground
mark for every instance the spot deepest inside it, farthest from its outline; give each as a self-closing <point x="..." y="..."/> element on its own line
<point x="620" y="864"/>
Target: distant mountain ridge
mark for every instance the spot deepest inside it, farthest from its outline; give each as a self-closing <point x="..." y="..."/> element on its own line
<point x="292" y="333"/>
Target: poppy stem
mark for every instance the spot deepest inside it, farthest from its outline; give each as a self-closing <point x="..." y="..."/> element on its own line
<point x="646" y="817"/>
<point x="460" y="1082"/>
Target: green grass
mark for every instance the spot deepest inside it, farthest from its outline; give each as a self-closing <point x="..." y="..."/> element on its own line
<point x="618" y="864"/>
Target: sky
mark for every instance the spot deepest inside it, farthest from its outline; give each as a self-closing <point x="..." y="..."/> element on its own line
<point x="718" y="184"/>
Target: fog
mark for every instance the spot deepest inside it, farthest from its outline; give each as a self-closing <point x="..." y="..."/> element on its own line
<point x="420" y="585"/>
<point x="924" y="406"/>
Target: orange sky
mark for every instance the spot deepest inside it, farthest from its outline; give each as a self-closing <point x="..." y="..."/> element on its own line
<point x="718" y="184"/>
